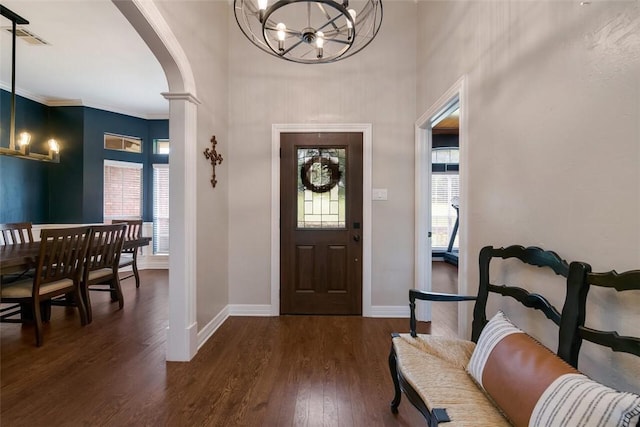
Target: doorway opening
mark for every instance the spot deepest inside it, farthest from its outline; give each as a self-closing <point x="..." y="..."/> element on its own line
<point x="440" y="197"/>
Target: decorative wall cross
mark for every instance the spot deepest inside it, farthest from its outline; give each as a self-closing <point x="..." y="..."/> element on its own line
<point x="214" y="158"/>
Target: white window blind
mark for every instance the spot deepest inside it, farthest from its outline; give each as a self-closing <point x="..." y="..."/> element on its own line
<point x="444" y="187"/>
<point x="161" y="209"/>
<point x="122" y="190"/>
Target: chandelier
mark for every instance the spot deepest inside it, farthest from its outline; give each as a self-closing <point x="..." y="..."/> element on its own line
<point x="24" y="139"/>
<point x="309" y="31"/>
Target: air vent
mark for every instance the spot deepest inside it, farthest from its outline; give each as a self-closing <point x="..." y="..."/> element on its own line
<point x="26" y="35"/>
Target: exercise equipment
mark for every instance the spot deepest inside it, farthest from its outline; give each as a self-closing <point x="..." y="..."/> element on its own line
<point x="451" y="255"/>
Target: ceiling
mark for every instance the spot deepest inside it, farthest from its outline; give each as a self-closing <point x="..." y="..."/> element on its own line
<point x="94" y="58"/>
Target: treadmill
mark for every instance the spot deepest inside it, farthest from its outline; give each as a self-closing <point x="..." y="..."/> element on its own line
<point x="451" y="255"/>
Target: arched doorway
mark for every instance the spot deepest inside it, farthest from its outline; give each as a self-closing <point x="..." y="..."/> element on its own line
<point x="147" y="20"/>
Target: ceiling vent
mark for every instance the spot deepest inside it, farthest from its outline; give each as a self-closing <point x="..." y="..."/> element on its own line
<point x="26" y="35"/>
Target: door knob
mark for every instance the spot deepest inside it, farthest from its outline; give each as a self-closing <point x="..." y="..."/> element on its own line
<point x="356" y="237"/>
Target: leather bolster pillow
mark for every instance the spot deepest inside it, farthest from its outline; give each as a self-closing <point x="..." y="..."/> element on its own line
<point x="534" y="387"/>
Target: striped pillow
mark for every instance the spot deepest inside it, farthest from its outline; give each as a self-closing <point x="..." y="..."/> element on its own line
<point x="534" y="387"/>
<point x="494" y="331"/>
<point x="575" y="400"/>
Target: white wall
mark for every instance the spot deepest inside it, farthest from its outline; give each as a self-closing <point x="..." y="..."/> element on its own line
<point x="375" y="86"/>
<point x="201" y="30"/>
<point x="554" y="142"/>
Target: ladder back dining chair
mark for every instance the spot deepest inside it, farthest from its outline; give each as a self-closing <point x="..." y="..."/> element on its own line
<point x="61" y="255"/>
<point x="101" y="266"/>
<point x="15" y="233"/>
<point x="130" y="256"/>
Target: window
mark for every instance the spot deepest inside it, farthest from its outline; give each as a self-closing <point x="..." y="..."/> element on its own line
<point x="161" y="209"/>
<point x="445" y="191"/>
<point x="122" y="143"/>
<point x="122" y="190"/>
<point x="161" y="146"/>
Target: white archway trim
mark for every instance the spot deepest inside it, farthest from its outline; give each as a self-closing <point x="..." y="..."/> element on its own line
<point x="147" y="20"/>
<point x="182" y="96"/>
<point x="182" y="332"/>
<point x="169" y="43"/>
<point x="422" y="243"/>
<point x="365" y="129"/>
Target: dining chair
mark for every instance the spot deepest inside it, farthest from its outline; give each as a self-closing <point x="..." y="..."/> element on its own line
<point x="101" y="266"/>
<point x="61" y="255"/>
<point x="130" y="256"/>
<point x="13" y="234"/>
<point x="16" y="232"/>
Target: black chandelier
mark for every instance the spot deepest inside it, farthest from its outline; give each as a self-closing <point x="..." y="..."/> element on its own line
<point x="309" y="31"/>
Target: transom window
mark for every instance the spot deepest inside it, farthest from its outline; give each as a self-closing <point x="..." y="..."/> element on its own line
<point x="131" y="144"/>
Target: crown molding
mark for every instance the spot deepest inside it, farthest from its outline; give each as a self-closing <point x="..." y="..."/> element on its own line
<point x="51" y="102"/>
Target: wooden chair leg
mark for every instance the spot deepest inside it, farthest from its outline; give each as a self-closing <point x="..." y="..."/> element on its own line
<point x="80" y="303"/>
<point x="117" y="291"/>
<point x="45" y="309"/>
<point x="134" y="266"/>
<point x="86" y="299"/>
<point x="37" y="320"/>
<point x="393" y="367"/>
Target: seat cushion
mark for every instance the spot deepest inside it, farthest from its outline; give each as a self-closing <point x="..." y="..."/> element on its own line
<point x="24" y="288"/>
<point x="96" y="275"/>
<point x="436" y="372"/>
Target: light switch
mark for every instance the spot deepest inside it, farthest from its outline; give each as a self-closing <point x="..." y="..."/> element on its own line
<point x="379" y="194"/>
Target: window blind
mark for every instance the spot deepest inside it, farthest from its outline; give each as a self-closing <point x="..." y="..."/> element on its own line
<point x="444" y="187"/>
<point x="161" y="209"/>
<point x="122" y="190"/>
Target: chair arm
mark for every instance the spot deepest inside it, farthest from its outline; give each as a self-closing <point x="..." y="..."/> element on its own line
<point x="430" y="296"/>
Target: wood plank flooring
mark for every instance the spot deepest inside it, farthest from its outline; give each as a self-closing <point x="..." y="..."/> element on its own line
<point x="280" y="371"/>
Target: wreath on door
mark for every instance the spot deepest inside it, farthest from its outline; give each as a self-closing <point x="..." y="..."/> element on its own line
<point x="320" y="174"/>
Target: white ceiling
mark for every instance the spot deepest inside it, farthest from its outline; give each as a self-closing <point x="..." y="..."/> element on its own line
<point x="94" y="58"/>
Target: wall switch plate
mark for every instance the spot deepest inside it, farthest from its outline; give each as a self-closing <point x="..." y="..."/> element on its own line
<point x="379" y="194"/>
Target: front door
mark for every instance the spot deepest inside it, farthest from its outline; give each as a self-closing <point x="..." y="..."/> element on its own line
<point x="321" y="223"/>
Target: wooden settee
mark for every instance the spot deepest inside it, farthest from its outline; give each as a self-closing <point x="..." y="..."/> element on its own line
<point x="503" y="376"/>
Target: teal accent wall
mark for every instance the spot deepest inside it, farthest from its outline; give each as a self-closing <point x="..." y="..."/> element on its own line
<point x="23" y="183"/>
<point x="72" y="190"/>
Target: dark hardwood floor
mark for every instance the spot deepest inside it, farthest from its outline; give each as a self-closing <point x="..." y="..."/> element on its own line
<point x="279" y="371"/>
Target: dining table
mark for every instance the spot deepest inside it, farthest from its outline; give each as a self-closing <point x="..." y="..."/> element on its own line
<point x="22" y="256"/>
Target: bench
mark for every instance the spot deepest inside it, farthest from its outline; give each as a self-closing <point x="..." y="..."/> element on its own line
<point x="505" y="377"/>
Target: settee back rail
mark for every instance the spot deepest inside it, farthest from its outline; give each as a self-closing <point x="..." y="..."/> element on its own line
<point x="620" y="282"/>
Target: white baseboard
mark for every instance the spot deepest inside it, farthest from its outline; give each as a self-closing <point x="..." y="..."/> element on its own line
<point x="181" y="346"/>
<point x="392" y="311"/>
<point x="261" y="310"/>
<point x="153" y="262"/>
<point x="212" y="326"/>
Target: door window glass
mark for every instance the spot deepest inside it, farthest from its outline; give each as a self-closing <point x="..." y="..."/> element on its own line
<point x="321" y="188"/>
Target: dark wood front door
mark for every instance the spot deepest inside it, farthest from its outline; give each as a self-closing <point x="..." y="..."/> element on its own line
<point x="321" y="223"/>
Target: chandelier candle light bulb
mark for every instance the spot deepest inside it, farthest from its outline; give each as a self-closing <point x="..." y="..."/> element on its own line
<point x="319" y="43"/>
<point x="282" y="34"/>
<point x="23" y="141"/>
<point x="291" y="29"/>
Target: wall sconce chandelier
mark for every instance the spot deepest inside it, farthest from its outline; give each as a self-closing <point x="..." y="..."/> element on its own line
<point x="309" y="31"/>
<point x="24" y="139"/>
